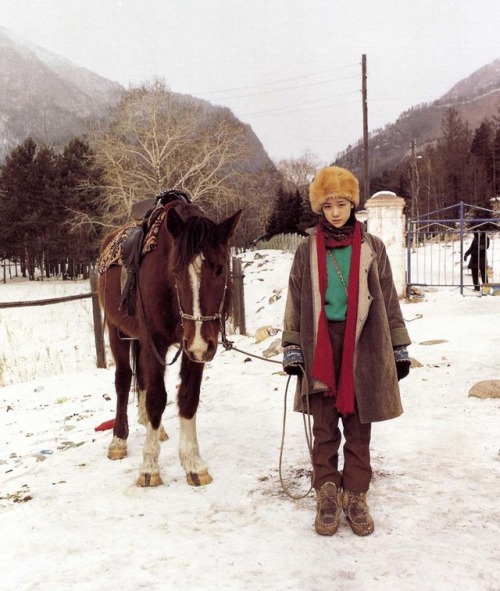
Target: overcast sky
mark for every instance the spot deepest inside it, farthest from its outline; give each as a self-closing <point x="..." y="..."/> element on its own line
<point x="289" y="68"/>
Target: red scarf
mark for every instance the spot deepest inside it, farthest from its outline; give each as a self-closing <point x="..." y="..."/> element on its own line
<point x="323" y="369"/>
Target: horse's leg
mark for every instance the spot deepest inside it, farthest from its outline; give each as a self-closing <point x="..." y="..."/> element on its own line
<point x="155" y="397"/>
<point x="123" y="378"/>
<point x="141" y="388"/>
<point x="143" y="416"/>
<point x="188" y="399"/>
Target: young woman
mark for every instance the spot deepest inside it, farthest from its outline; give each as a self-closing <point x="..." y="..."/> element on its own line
<point x="345" y="338"/>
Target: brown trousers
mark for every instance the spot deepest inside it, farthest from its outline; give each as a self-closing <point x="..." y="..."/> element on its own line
<point x="357" y="472"/>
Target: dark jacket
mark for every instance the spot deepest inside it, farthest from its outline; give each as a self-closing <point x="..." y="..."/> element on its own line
<point x="380" y="327"/>
<point x="477" y="251"/>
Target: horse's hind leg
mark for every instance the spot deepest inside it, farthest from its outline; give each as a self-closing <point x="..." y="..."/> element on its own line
<point x="188" y="399"/>
<point x="141" y="388"/>
<point x="143" y="415"/>
<point x="117" y="449"/>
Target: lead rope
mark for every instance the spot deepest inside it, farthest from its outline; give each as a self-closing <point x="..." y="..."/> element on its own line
<point x="229" y="345"/>
<point x="308" y="433"/>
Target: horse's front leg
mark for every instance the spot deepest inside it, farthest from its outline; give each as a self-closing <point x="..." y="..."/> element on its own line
<point x="188" y="399"/>
<point x="155" y="401"/>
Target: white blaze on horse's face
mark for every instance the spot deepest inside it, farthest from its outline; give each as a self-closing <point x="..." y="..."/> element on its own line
<point x="199" y="349"/>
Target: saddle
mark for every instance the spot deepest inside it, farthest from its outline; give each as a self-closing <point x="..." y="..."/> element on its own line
<point x="145" y="214"/>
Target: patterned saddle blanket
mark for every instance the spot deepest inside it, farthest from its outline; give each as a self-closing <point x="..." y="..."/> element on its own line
<point x="113" y="253"/>
<point x="126" y="249"/>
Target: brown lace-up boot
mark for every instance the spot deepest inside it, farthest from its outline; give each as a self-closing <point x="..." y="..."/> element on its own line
<point x="356" y="511"/>
<point x="329" y="505"/>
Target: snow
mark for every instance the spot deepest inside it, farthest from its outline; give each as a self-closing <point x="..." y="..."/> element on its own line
<point x="72" y="519"/>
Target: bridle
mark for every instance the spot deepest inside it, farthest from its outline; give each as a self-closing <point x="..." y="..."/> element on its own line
<point x="217" y="316"/>
<point x="185" y="316"/>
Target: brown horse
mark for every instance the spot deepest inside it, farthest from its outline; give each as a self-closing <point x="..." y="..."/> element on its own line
<point x="182" y="297"/>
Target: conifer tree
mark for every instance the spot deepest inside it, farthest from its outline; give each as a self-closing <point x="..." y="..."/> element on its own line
<point x="287" y="213"/>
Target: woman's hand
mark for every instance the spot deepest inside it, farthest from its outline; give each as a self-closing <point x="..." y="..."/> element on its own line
<point x="402" y="360"/>
<point x="293" y="360"/>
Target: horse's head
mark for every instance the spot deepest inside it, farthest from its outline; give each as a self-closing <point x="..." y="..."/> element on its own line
<point x="202" y="278"/>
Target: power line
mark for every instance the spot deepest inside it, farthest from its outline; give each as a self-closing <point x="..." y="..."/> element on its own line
<point x="271" y="111"/>
<point x="282" y="89"/>
<point x="276" y="81"/>
<point x="265" y="113"/>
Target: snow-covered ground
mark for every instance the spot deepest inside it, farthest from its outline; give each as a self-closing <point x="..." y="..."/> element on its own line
<point x="72" y="519"/>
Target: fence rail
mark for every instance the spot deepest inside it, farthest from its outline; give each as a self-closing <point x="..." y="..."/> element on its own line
<point x="35" y="344"/>
<point x="47" y="301"/>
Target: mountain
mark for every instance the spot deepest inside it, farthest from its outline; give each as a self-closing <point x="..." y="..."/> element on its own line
<point x="475" y="98"/>
<point x="45" y="96"/>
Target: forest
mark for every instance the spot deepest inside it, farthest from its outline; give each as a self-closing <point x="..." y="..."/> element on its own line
<point x="57" y="204"/>
<point x="462" y="165"/>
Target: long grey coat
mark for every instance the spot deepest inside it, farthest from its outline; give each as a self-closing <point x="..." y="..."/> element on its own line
<point x="380" y="327"/>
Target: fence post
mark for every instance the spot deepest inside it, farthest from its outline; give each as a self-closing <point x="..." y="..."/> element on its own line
<point x="238" y="296"/>
<point x="98" y="327"/>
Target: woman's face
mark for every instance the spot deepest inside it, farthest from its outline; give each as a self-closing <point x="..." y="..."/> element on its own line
<point x="337" y="211"/>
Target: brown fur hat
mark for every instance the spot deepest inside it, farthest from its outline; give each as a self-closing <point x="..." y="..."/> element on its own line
<point x="333" y="181"/>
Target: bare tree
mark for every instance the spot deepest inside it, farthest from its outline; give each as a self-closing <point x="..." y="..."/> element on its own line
<point x="298" y="172"/>
<point x="155" y="139"/>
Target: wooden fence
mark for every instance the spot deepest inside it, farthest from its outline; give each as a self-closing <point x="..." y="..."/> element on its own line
<point x="11" y="353"/>
<point x="286" y="242"/>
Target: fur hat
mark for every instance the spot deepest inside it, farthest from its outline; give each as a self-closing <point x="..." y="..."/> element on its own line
<point x="333" y="181"/>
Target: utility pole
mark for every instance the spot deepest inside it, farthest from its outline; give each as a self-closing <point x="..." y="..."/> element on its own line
<point x="366" y="166"/>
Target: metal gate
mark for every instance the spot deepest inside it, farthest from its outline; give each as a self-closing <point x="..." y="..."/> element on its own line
<point x="437" y="243"/>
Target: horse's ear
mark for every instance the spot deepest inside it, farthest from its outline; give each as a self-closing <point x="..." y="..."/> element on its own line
<point x="175" y="224"/>
<point x="227" y="227"/>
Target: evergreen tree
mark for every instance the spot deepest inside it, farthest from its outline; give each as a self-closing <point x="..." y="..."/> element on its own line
<point x="483" y="162"/>
<point x="79" y="179"/>
<point x="27" y="183"/>
<point x="286" y="215"/>
<point x="455" y="144"/>
<point x="496" y="164"/>
<point x="39" y="193"/>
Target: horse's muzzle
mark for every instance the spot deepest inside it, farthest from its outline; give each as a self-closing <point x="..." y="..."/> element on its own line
<point x="200" y="355"/>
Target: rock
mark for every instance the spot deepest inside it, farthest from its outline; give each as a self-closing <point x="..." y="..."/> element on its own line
<point x="262" y="333"/>
<point x="434" y="342"/>
<point x="274" y="349"/>
<point x="276" y="296"/>
<point x="486" y="389"/>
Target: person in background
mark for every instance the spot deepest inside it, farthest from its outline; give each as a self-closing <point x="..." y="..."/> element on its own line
<point x="478" y="262"/>
<point x="345" y="338"/>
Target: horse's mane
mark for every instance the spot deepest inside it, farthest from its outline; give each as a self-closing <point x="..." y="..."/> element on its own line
<point x="199" y="234"/>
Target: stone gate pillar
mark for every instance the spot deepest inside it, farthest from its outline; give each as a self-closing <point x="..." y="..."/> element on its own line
<point x="385" y="219"/>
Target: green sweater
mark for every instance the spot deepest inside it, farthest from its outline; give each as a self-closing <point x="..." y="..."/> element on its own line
<point x="335" y="297"/>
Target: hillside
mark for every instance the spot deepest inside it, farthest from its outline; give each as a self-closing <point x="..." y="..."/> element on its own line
<point x="46" y="97"/>
<point x="475" y="98"/>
